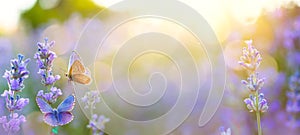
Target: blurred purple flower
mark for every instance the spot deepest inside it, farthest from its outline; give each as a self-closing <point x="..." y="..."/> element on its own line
<point x="12" y="124"/>
<point x="293" y="58"/>
<point x="225" y="132"/>
<point x="90" y="99"/>
<point x="289" y="37"/>
<point x="5" y="49"/>
<point x="293" y="102"/>
<point x="97" y="124"/>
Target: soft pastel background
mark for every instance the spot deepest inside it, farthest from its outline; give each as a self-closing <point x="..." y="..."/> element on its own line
<point x="274" y="26"/>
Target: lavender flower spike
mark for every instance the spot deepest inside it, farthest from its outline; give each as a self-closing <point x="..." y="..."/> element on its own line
<point x="18" y="73"/>
<point x="15" y="78"/>
<point x="251" y="57"/>
<point x="44" y="58"/>
<point x="250" y="60"/>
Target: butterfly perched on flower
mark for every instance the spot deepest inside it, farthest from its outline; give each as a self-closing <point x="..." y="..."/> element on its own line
<point x="60" y="116"/>
<point x="77" y="72"/>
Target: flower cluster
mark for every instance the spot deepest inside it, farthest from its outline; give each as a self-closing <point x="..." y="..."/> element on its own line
<point x="90" y="99"/>
<point x="225" y="132"/>
<point x="14" y="103"/>
<point x="251" y="103"/>
<point x="251" y="57"/>
<point x="251" y="60"/>
<point x="15" y="78"/>
<point x="44" y="58"/>
<point x="97" y="123"/>
<point x="51" y="96"/>
<point x="12" y="124"/>
<point x="18" y="73"/>
<point x="293" y="106"/>
<point x="254" y="83"/>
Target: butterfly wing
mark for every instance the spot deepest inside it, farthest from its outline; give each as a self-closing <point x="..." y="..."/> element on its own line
<point x="64" y="118"/>
<point x="51" y="119"/>
<point x="43" y="105"/>
<point x="77" y="68"/>
<point x="82" y="79"/>
<point x="73" y="57"/>
<point x="66" y="105"/>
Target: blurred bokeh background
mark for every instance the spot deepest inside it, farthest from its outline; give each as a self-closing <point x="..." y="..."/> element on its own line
<point x="274" y="26"/>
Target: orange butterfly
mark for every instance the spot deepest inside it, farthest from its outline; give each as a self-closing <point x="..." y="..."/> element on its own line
<point x="77" y="72"/>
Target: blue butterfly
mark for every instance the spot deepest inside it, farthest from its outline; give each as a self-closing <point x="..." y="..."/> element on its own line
<point x="60" y="116"/>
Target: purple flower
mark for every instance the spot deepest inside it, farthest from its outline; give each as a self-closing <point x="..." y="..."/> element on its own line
<point x="16" y="85"/>
<point x="253" y="105"/>
<point x="14" y="104"/>
<point x="18" y="73"/>
<point x="293" y="104"/>
<point x="251" y="57"/>
<point x="12" y="124"/>
<point x="90" y="99"/>
<point x="97" y="124"/>
<point x="225" y="132"/>
<point x="250" y="60"/>
<point x="48" y="77"/>
<point x="51" y="96"/>
<point x="15" y="78"/>
<point x="44" y="58"/>
<point x="253" y="83"/>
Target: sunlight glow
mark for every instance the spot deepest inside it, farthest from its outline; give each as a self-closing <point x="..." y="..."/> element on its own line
<point x="10" y="12"/>
<point x="106" y="3"/>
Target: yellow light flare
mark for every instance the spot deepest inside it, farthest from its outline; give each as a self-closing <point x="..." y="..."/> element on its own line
<point x="246" y="11"/>
<point x="106" y="3"/>
<point x="216" y="14"/>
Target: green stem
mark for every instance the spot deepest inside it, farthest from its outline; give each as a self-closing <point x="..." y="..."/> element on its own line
<point x="54" y="130"/>
<point x="258" y="114"/>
